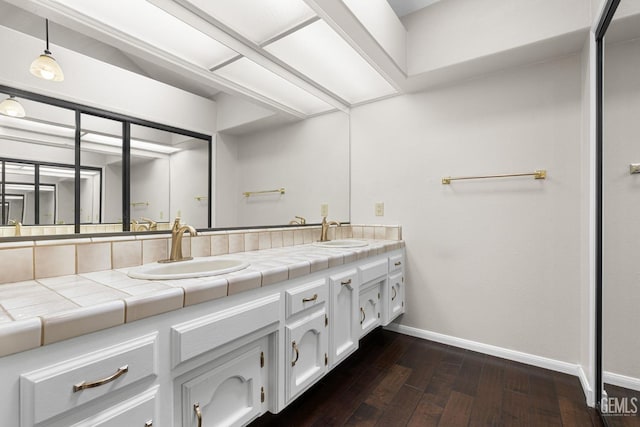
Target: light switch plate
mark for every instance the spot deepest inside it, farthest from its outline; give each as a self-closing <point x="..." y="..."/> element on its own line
<point x="324" y="209"/>
<point x="379" y="208"/>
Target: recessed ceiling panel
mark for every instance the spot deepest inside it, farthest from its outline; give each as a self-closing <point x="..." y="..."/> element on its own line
<point x="257" y="20"/>
<point x="322" y="55"/>
<point x="262" y="81"/>
<point x="152" y="25"/>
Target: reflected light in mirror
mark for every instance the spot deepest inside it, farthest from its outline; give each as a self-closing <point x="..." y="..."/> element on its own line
<point x="12" y="108"/>
<point x="38" y="127"/>
<point x="135" y="143"/>
<point x="258" y="21"/>
<point x="28" y="187"/>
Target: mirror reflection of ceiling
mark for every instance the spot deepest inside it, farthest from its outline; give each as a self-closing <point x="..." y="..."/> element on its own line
<point x="280" y="51"/>
<point x="54" y="126"/>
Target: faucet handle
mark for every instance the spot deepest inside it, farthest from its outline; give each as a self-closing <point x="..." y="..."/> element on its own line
<point x="302" y="219"/>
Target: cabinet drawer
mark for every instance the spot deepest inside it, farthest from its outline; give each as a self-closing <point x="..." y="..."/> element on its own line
<point x="139" y="411"/>
<point x="58" y="388"/>
<point x="198" y="336"/>
<point x="373" y="270"/>
<point x="306" y="296"/>
<point x="396" y="263"/>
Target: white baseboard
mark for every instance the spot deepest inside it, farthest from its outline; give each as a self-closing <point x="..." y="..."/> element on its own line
<point x="504" y="353"/>
<point x="621" y="380"/>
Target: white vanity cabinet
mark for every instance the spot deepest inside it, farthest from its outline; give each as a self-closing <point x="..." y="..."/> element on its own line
<point x="395" y="297"/>
<point x="370" y="307"/>
<point x="344" y="329"/>
<point x="223" y="362"/>
<point x="374" y="288"/>
<point x="306" y="337"/>
<point x="228" y="392"/>
<point x="51" y="394"/>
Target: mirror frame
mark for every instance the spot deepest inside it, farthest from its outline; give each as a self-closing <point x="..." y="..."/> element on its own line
<point x="126" y="121"/>
<point x="37" y="184"/>
<point x="604" y="21"/>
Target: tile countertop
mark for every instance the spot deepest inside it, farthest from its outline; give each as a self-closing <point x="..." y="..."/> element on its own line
<point x="44" y="311"/>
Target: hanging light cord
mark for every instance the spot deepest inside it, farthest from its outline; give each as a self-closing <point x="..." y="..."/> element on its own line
<point x="47" y="35"/>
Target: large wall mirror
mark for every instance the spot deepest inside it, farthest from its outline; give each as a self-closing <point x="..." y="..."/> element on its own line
<point x="126" y="175"/>
<point x="309" y="160"/>
<point x="620" y="284"/>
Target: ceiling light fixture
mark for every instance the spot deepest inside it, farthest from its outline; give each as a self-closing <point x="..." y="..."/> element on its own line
<point x="44" y="66"/>
<point x="12" y="108"/>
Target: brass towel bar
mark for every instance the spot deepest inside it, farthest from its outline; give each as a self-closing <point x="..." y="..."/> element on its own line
<point x="253" y="193"/>
<point x="538" y="174"/>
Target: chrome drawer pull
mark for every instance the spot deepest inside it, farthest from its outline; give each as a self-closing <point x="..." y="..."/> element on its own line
<point x="346" y="282"/>
<point x="84" y="385"/>
<point x="364" y="316"/>
<point x="148" y="423"/>
<point x="313" y="298"/>
<point x="295" y="348"/>
<point x="397" y="263"/>
<point x="395" y="293"/>
<point x="196" y="408"/>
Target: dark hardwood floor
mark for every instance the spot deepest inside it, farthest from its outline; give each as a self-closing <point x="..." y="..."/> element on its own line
<point x="624" y="393"/>
<point x="397" y="380"/>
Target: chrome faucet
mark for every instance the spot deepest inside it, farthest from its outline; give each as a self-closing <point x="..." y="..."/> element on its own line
<point x="18" y="226"/>
<point x="299" y="220"/>
<point x="177" y="231"/>
<point x="325" y="228"/>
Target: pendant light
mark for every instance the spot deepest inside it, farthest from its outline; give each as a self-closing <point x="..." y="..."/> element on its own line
<point x="44" y="66"/>
<point x="11" y="107"/>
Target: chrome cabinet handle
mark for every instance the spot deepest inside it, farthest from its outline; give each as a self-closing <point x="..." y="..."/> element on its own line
<point x="295" y="348"/>
<point x="395" y="293"/>
<point x="84" y="385"/>
<point x="148" y="423"/>
<point x="313" y="298"/>
<point x="346" y="282"/>
<point x="364" y="316"/>
<point x="196" y="408"/>
<point x="397" y="263"/>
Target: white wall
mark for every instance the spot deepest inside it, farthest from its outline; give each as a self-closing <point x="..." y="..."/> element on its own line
<point x="309" y="158"/>
<point x="621" y="288"/>
<point x="150" y="184"/>
<point x="454" y="31"/>
<point x="227" y="188"/>
<point x="497" y="262"/>
<point x="189" y="177"/>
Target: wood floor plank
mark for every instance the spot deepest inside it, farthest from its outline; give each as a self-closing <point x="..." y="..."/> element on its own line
<point x="365" y="416"/>
<point x="516" y="377"/>
<point x="422" y="358"/>
<point x="457" y="411"/>
<point x="469" y="374"/>
<point x="574" y="414"/>
<point x="384" y="393"/>
<point x="515" y="409"/>
<point x="426" y="414"/>
<point x="401" y="407"/>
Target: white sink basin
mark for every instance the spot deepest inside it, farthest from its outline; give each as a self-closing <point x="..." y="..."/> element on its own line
<point x="345" y="243"/>
<point x="202" y="267"/>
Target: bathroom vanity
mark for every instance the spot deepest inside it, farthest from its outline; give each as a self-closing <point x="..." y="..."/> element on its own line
<point x="221" y="362"/>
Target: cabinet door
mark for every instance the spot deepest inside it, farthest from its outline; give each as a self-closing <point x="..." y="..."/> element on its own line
<point x="232" y="393"/>
<point x="307" y="353"/>
<point x="396" y="295"/>
<point x="370" y="308"/>
<point x="343" y="327"/>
